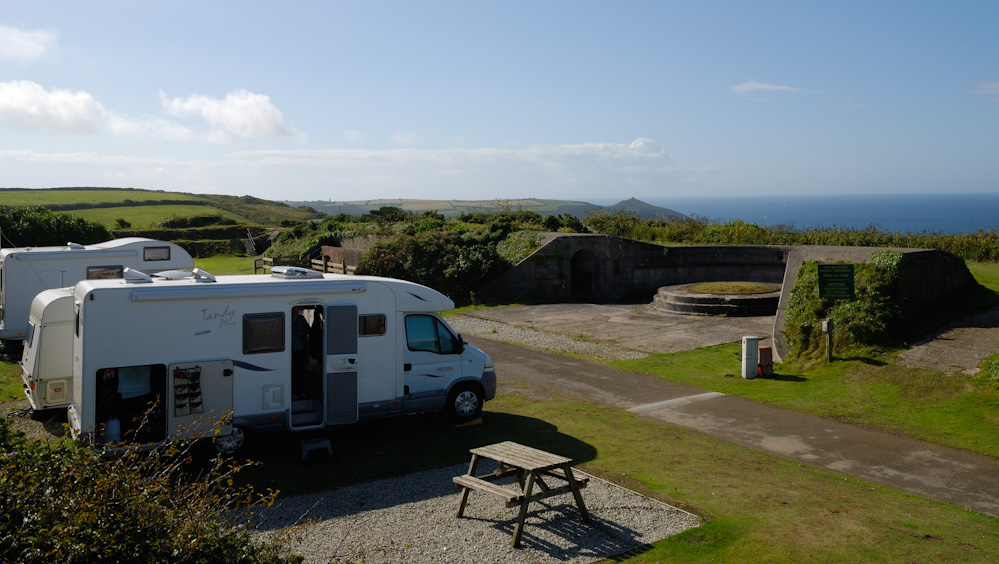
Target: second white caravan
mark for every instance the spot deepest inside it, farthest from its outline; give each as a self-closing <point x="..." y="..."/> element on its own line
<point x="294" y="350"/>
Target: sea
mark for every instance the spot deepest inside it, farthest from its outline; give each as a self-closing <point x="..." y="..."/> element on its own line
<point x="901" y="213"/>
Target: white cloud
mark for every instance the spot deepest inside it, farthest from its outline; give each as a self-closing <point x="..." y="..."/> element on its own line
<point x="406" y="138"/>
<point x="241" y="114"/>
<point x="27" y="46"/>
<point x="753" y="86"/>
<point x="26" y="104"/>
<point x="353" y="135"/>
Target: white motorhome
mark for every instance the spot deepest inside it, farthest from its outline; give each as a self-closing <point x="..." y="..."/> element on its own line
<point x="26" y="271"/>
<point x="293" y="350"/>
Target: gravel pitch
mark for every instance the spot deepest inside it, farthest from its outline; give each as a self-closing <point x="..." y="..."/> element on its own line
<point x="488" y="329"/>
<point x="412" y="519"/>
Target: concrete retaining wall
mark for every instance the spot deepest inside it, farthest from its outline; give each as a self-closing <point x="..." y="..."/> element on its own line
<point x="571" y="267"/>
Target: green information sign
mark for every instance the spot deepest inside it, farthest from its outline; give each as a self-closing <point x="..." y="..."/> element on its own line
<point x="836" y="281"/>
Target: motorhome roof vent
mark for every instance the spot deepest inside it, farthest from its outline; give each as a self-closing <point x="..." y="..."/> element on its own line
<point x="202" y="276"/>
<point x="132" y="276"/>
<point x="295" y="272"/>
<point x="75" y="246"/>
<point x="172" y="274"/>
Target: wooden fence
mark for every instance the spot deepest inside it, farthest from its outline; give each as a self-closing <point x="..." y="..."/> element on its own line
<point x="266" y="264"/>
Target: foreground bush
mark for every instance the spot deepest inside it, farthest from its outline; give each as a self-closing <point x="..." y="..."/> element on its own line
<point x="60" y="502"/>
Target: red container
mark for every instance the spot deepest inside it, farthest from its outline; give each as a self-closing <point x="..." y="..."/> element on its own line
<point x="766" y="362"/>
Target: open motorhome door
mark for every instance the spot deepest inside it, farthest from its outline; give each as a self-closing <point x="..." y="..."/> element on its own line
<point x="200" y="398"/>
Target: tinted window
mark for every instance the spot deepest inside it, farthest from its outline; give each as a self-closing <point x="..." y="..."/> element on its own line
<point x="104" y="272"/>
<point x="427" y="333"/>
<point x="156" y="253"/>
<point x="263" y="333"/>
<point x="371" y="325"/>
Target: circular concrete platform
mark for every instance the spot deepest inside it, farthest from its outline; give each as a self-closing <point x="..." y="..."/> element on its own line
<point x="679" y="299"/>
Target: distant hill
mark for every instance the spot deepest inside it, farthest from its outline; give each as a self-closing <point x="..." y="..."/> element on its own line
<point x="144" y="208"/>
<point x="454" y="208"/>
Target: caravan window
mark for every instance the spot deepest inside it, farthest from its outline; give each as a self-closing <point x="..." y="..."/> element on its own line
<point x="156" y="253"/>
<point x="371" y="324"/>
<point x="263" y="333"/>
<point x="105" y="272"/>
<point x="427" y="333"/>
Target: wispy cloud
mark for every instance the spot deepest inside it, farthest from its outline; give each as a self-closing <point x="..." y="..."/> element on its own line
<point x="406" y="138"/>
<point x="753" y="87"/>
<point x="636" y="168"/>
<point x="989" y="88"/>
<point x="27" y="46"/>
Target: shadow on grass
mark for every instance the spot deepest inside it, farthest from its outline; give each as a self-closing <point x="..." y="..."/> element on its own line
<point x="783" y="378"/>
<point x="775" y="377"/>
<point x="391" y="447"/>
<point x="865" y="360"/>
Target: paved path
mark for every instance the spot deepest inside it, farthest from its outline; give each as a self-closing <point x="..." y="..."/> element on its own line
<point x="941" y="473"/>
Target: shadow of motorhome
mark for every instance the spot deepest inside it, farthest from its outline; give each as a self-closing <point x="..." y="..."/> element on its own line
<point x="390" y="447"/>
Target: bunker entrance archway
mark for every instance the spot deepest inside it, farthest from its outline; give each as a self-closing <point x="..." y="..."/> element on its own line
<point x="588" y="278"/>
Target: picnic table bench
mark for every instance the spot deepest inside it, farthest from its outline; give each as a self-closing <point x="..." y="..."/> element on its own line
<point x="531" y="467"/>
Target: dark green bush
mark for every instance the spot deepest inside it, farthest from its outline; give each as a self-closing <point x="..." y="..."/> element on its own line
<point x="61" y="502"/>
<point x="452" y="264"/>
<point x="38" y="227"/>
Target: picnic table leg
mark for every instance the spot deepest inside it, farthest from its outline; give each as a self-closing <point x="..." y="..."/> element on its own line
<point x="519" y="529"/>
<point x="464" y="491"/>
<point x="576" y="494"/>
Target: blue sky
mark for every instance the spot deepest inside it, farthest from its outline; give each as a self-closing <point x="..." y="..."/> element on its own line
<point x="595" y="101"/>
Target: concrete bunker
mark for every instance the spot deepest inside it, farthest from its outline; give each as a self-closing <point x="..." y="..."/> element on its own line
<point x="601" y="268"/>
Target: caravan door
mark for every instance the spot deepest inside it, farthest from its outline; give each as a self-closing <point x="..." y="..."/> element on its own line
<point x="341" y="364"/>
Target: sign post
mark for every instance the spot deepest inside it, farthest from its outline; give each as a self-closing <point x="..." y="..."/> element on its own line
<point x="836" y="282"/>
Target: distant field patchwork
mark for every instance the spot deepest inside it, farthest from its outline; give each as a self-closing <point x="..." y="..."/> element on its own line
<point x="68" y="197"/>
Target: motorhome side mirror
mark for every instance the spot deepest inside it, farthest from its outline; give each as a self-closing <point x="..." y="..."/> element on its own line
<point x="460" y="345"/>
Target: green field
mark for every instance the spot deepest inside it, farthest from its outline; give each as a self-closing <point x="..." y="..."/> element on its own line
<point x="48" y="197"/>
<point x="141" y="217"/>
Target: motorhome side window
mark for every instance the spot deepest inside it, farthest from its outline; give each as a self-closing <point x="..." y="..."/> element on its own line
<point x="105" y="272"/>
<point x="263" y="333"/>
<point x="427" y="333"/>
<point x="156" y="253"/>
<point x="371" y="324"/>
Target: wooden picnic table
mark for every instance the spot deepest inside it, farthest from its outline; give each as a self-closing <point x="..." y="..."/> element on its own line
<point x="531" y="467"/>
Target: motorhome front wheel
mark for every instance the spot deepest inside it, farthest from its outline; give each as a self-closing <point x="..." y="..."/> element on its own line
<point x="464" y="403"/>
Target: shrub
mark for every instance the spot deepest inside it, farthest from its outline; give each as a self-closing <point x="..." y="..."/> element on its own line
<point x="452" y="264"/>
<point x="873" y="318"/>
<point x="60" y="502"/>
<point x="37" y="227"/>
